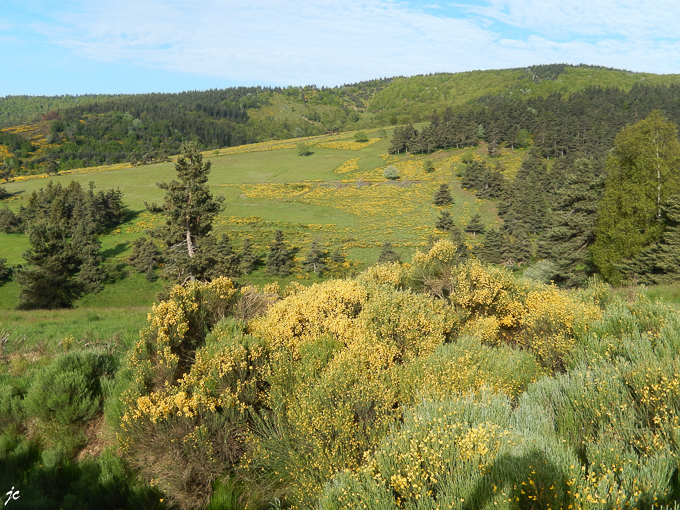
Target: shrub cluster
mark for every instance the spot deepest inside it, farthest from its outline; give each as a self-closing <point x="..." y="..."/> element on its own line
<point x="437" y="383"/>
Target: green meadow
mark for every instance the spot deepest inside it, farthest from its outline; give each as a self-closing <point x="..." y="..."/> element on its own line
<point x="336" y="196"/>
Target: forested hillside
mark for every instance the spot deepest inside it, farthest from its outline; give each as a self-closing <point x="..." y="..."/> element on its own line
<point x="53" y="134"/>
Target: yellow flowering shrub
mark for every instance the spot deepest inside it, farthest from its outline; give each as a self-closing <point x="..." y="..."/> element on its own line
<point x="500" y="309"/>
<point x="548" y="323"/>
<point x="431" y="271"/>
<point x="330" y="411"/>
<point x="450" y="454"/>
<point x="400" y="325"/>
<point x="390" y="273"/>
<point x="178" y="399"/>
<point x="330" y="308"/>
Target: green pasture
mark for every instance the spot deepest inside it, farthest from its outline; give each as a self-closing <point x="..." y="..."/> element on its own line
<point x="266" y="190"/>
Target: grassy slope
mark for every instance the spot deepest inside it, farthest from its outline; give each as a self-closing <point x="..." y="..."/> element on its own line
<point x="277" y="189"/>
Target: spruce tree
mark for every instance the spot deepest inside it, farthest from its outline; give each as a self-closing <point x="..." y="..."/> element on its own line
<point x="279" y="259"/>
<point x="49" y="280"/>
<point x="492" y="249"/>
<point x="444" y="221"/>
<point x="315" y="261"/>
<point x="443" y="196"/>
<point x="475" y="225"/>
<point x="571" y="231"/>
<point x="387" y="254"/>
<point x="247" y="258"/>
<point x="189" y="209"/>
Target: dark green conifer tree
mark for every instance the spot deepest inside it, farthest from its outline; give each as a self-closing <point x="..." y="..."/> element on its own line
<point x="247" y="258"/>
<point x="218" y="258"/>
<point x="443" y="196"/>
<point x="571" y="230"/>
<point x="492" y="249"/>
<point x="337" y="256"/>
<point x="4" y="269"/>
<point x="49" y="280"/>
<point x="10" y="223"/>
<point x="315" y="261"/>
<point x="444" y="221"/>
<point x="145" y="255"/>
<point x="475" y="225"/>
<point x="387" y="254"/>
<point x="279" y="259"/>
<point x="189" y="209"/>
<point x="517" y="248"/>
<point x="659" y="264"/>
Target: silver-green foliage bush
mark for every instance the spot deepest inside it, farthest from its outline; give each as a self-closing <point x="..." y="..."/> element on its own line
<point x="69" y="389"/>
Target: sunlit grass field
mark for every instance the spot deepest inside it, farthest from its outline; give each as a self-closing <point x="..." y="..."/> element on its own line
<point x="336" y="196"/>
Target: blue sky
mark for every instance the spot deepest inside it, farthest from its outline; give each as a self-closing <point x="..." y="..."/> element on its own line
<point x="131" y="46"/>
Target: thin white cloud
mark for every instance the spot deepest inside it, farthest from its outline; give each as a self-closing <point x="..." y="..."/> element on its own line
<point x="338" y="41"/>
<point x="627" y="18"/>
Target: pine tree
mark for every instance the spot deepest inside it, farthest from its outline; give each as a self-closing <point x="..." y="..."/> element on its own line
<point x="49" y="280"/>
<point x="475" y="225"/>
<point x="279" y="259"/>
<point x="315" y="261"/>
<point x="247" y="259"/>
<point x="444" y="221"/>
<point x="443" y="196"/>
<point x="387" y="254"/>
<point x="428" y="166"/>
<point x="189" y="210"/>
<point x="145" y="255"/>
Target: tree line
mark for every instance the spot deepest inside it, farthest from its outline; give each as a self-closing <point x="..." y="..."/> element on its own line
<point x="555" y="125"/>
<point x="618" y="216"/>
